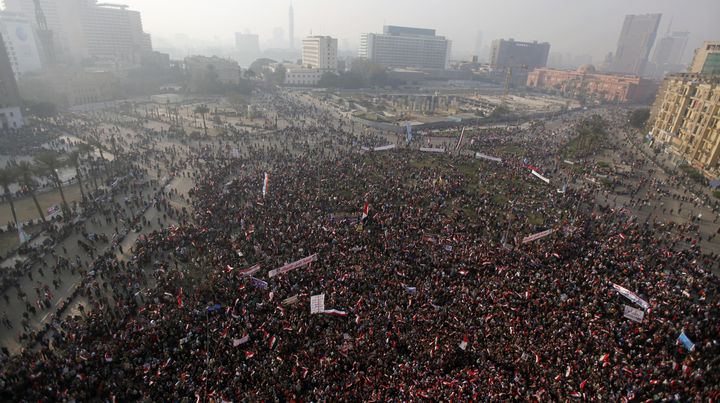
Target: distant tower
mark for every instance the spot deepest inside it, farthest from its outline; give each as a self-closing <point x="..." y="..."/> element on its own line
<point x="292" y="27"/>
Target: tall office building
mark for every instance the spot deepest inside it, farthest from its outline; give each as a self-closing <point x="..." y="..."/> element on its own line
<point x="707" y="59"/>
<point x="20" y="42"/>
<point x="636" y="40"/>
<point x="291" y="28"/>
<point x="511" y="53"/>
<point x="320" y="52"/>
<point x="406" y="47"/>
<point x="83" y="29"/>
<point x="668" y="54"/>
<point x="10" y="102"/>
<point x="478" y="43"/>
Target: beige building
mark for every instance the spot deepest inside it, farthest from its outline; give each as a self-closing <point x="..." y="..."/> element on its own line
<point x="706" y="59"/>
<point x="320" y="52"/>
<point x="687" y="120"/>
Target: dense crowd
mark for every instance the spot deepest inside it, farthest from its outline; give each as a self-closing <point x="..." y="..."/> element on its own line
<point x="442" y="299"/>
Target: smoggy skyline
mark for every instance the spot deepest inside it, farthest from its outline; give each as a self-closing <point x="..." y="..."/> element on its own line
<point x="579" y="27"/>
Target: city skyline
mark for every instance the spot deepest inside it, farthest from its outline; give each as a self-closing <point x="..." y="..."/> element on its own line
<point x="596" y="26"/>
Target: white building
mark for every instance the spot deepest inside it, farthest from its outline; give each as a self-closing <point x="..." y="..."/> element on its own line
<point x="320" y="52"/>
<point x="20" y="43"/>
<point x="297" y="75"/>
<point x="406" y="47"/>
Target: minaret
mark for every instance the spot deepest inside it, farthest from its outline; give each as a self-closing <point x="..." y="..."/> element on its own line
<point x="292" y="28"/>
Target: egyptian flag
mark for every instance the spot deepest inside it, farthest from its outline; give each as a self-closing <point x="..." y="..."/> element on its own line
<point x="464" y="343"/>
<point x="265" y="183"/>
<point x="366" y="209"/>
<point x="180" y="298"/>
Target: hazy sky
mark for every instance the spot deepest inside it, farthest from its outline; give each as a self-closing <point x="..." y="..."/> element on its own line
<point x="578" y="26"/>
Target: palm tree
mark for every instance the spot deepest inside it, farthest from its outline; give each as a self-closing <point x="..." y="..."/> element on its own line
<point x="26" y="178"/>
<point x="8" y="176"/>
<point x="87" y="149"/>
<point x="74" y="160"/>
<point x="202" y="110"/>
<point x="49" y="162"/>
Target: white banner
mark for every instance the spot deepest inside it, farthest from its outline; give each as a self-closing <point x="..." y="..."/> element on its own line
<point x="569" y="162"/>
<point x="542" y="178"/>
<point x="432" y="150"/>
<point x="537" y="236"/>
<point x="487" y="157"/>
<point x="384" y="148"/>
<point x="634" y="314"/>
<point x="317" y="303"/>
<point x="250" y="271"/>
<point x="293" y="265"/>
<point x="631" y="296"/>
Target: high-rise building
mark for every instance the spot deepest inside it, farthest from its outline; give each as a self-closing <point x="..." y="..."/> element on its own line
<point x="668" y="54"/>
<point x="478" y="43"/>
<point x="84" y="29"/>
<point x="320" y="52"/>
<point x="707" y="59"/>
<point x="636" y="40"/>
<point x="10" y="102"/>
<point x="511" y="53"/>
<point x="20" y="42"/>
<point x="291" y="28"/>
<point x="406" y="47"/>
<point x="687" y="119"/>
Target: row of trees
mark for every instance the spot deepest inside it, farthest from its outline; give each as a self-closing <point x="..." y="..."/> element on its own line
<point x="46" y="164"/>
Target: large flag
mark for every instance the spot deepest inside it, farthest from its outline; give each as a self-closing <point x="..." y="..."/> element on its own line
<point x="242" y="340"/>
<point x="408" y="132"/>
<point x="366" y="209"/>
<point x="265" y="183"/>
<point x="334" y="312"/>
<point x="464" y="343"/>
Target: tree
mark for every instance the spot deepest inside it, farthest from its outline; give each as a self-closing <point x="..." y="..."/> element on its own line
<point x="26" y="173"/>
<point x="74" y="160"/>
<point x="639" y="117"/>
<point x="8" y="176"/>
<point x="49" y="162"/>
<point x="86" y="150"/>
<point x="202" y="110"/>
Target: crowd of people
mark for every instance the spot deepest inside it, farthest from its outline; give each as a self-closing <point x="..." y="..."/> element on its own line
<point x="431" y="287"/>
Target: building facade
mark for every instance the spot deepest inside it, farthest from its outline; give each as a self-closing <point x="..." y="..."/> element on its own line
<point x="668" y="54"/>
<point x="20" y="43"/>
<point x="320" y="52"/>
<point x="637" y="38"/>
<point x="512" y="53"/>
<point x="84" y="29"/>
<point x="10" y="102"/>
<point x="687" y="120"/>
<point x="706" y="59"/>
<point x="596" y="87"/>
<point x="406" y="47"/>
<point x="302" y="77"/>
